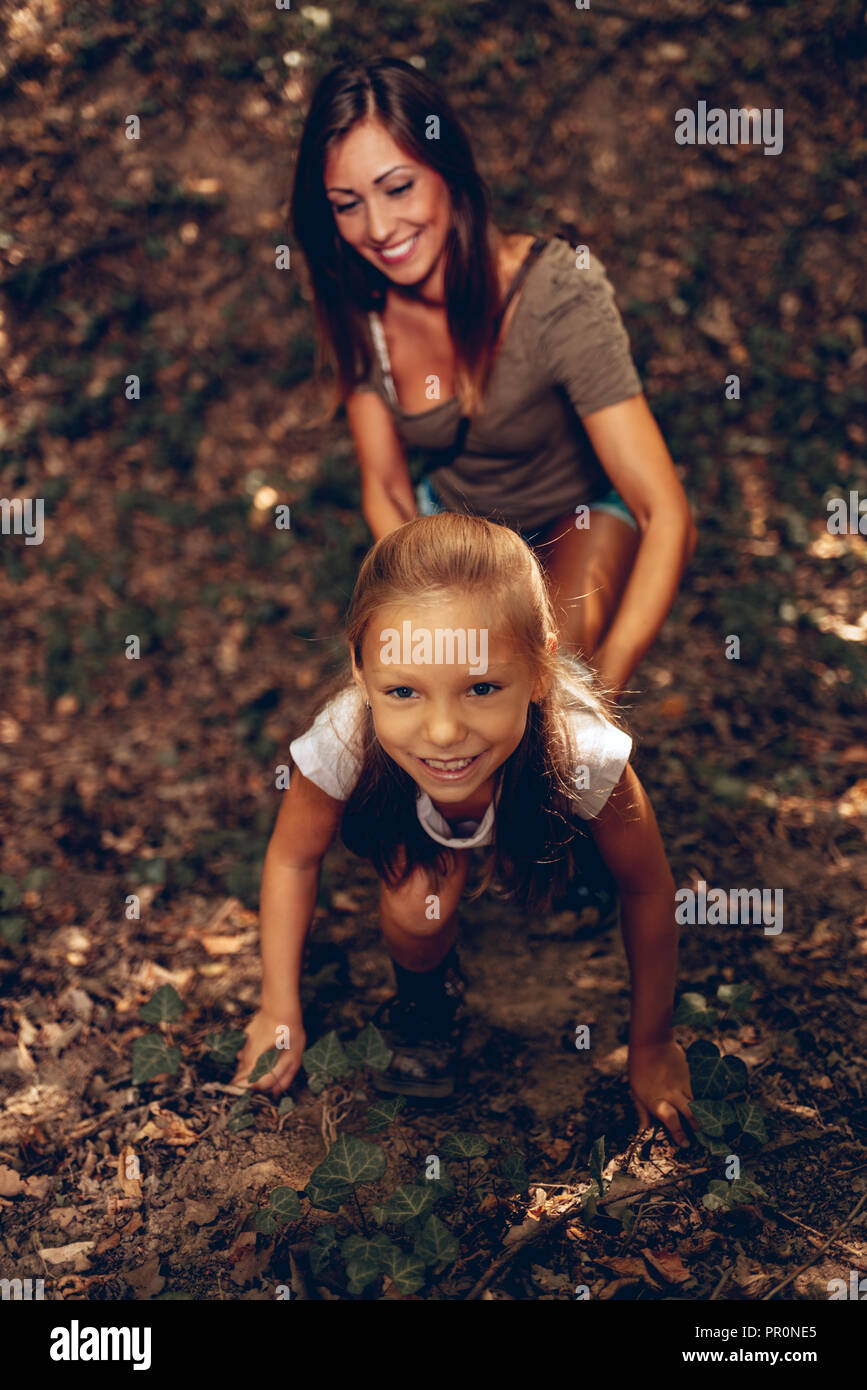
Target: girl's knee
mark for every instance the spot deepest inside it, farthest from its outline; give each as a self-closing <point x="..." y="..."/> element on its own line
<point x="421" y="906"/>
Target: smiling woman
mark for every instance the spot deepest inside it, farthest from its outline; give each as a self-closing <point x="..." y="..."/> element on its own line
<point x="500" y="357"/>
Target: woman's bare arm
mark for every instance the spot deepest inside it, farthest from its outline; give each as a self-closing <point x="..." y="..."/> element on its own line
<point x="631" y="449"/>
<point x="387" y="497"/>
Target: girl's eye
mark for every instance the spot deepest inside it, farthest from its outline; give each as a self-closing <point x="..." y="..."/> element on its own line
<point x="398" y="689"/>
<point x="402" y="189"/>
<point x="346" y="207"/>
<point x="487" y="685"/>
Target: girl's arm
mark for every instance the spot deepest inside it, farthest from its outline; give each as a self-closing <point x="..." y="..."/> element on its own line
<point x="629" y="841"/>
<point x="305" y="827"/>
<point x="633" y="453"/>
<point x="387" y="497"/>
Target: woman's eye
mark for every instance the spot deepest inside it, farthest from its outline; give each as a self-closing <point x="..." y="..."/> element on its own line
<point x="485" y="687"/>
<point x="347" y="207"/>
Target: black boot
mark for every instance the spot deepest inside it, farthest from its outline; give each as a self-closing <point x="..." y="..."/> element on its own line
<point x="422" y="1025"/>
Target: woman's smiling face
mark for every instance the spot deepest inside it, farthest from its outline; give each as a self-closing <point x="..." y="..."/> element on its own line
<point x="448" y="726"/>
<point x="394" y="211"/>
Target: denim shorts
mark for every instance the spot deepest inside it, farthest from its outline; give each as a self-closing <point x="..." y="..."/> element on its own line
<point x="429" y="504"/>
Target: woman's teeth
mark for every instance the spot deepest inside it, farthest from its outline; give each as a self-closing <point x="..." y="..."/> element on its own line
<point x="397" y="253"/>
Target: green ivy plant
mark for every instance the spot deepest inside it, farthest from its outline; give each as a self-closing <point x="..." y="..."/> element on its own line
<point x="729" y="1118"/>
<point x="12" y="922"/>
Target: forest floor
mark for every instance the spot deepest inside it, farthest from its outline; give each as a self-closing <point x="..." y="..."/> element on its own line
<point x="152" y="781"/>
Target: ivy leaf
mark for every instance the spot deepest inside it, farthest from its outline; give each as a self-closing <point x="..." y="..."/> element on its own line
<point x="751" y="1119"/>
<point x="405" y="1271"/>
<point x="407" y="1202"/>
<point x="351" y="1161"/>
<point x="713" y="1201"/>
<point x="321" y="1247"/>
<point x="263" y="1065"/>
<point x="513" y="1168"/>
<point x="443" y="1186"/>
<point x="151" y="1057"/>
<point x="382" y="1112"/>
<point x="744" y="1189"/>
<point x="324" y="1062"/>
<point x="368" y="1050"/>
<point x="360" y="1272"/>
<point x="327" y="1195"/>
<point x="713" y="1145"/>
<point x="365" y="1259"/>
<point x="163" y="1007"/>
<point x="436" y="1245"/>
<point x="713" y="1116"/>
<point x="589" y="1202"/>
<point x="463" y="1145"/>
<point x="735" y="997"/>
<point x="692" y="1011"/>
<point x="10" y="893"/>
<point x="286" y="1105"/>
<point x="238" y="1118"/>
<point x="12" y="928"/>
<point x="35" y="880"/>
<point x="224" y="1047"/>
<point x="596" y="1159"/>
<point x="265" y="1221"/>
<point x="285" y="1204"/>
<point x="713" y="1076"/>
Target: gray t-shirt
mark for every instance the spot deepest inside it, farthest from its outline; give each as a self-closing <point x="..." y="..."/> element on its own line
<point x="527" y="459"/>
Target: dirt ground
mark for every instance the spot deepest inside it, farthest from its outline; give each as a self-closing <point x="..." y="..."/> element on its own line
<point x="155" y="777"/>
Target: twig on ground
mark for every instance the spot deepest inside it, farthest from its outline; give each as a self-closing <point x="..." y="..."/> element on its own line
<point x="832" y="1237"/>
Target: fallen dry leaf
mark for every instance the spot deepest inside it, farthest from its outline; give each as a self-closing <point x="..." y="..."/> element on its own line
<point x="167" y="1128"/>
<point x="11" y="1182"/>
<point x="223" y="945"/>
<point x="129" y="1172"/>
<point x="75" y="1254"/>
<point x="668" y="1264"/>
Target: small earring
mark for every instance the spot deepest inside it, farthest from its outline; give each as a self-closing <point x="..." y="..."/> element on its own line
<point x="367" y="704"/>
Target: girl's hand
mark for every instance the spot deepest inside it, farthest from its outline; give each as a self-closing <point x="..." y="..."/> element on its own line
<point x="659" y="1083"/>
<point x="263" y="1032"/>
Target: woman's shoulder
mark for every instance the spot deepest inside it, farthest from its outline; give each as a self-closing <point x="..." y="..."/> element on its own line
<point x="565" y="275"/>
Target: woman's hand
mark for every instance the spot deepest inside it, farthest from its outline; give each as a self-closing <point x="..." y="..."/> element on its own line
<point x="264" y="1031"/>
<point x="659" y="1083"/>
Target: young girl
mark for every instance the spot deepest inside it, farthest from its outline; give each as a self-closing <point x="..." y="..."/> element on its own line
<point x="462" y="727"/>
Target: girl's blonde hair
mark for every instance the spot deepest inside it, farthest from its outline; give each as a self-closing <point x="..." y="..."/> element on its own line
<point x="538" y="808"/>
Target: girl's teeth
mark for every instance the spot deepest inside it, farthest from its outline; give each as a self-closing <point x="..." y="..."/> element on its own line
<point x="449" y="767"/>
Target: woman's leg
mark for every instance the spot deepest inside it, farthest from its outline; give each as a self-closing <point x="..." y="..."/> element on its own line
<point x="587" y="572"/>
<point x="420" y="920"/>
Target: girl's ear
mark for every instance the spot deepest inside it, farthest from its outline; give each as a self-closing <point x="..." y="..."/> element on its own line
<point x="544" y="681"/>
<point x="358" y="677"/>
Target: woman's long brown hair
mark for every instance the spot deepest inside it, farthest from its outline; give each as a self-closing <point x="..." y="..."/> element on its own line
<point x="345" y="285"/>
<point x="537" y="815"/>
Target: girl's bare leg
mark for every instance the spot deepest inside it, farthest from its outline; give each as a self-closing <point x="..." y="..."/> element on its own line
<point x="420" y="920"/>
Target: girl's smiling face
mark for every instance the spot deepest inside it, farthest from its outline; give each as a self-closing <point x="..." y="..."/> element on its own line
<point x="448" y="726"/>
<point x="394" y="211"/>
